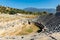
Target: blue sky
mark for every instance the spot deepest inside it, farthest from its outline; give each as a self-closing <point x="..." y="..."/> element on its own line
<point x="21" y="4"/>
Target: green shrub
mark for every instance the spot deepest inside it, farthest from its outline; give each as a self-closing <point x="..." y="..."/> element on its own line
<point x="12" y="12"/>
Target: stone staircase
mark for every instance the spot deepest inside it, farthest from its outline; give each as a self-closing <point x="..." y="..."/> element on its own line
<point x="52" y="22"/>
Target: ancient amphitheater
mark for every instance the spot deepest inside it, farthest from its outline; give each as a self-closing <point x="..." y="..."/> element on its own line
<point x="21" y="27"/>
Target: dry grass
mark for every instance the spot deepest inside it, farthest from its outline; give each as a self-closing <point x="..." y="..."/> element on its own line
<point x="22" y="29"/>
<point x="27" y="29"/>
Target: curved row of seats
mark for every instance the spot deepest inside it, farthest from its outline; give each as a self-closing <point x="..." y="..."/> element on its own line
<point x="52" y="22"/>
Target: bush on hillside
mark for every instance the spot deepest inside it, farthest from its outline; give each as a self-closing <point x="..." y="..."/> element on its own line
<point x="12" y="12"/>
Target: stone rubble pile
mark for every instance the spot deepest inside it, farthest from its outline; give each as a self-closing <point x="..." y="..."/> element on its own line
<point x="35" y="36"/>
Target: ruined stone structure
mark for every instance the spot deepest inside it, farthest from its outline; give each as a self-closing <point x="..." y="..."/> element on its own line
<point x="58" y="10"/>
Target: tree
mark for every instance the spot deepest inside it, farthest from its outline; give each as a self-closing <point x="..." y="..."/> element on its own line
<point x="30" y="12"/>
<point x="45" y="12"/>
<point x="50" y="13"/>
<point x="12" y="12"/>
